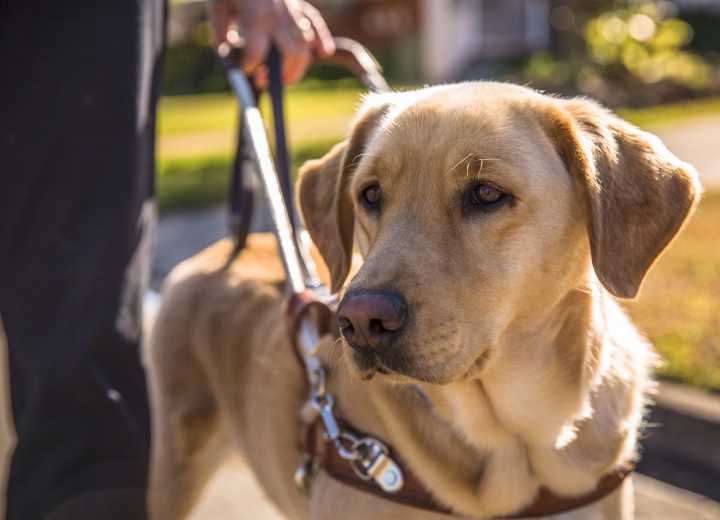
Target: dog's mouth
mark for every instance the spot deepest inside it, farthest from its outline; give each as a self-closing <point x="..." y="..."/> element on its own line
<point x="396" y="368"/>
<point x="366" y="364"/>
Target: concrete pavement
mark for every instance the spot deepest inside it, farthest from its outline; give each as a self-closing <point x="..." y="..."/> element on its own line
<point x="696" y="141"/>
<point x="233" y="494"/>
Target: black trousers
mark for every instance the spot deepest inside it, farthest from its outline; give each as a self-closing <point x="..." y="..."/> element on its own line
<point x="78" y="90"/>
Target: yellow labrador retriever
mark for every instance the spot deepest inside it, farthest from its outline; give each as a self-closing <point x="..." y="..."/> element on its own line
<point x="480" y="334"/>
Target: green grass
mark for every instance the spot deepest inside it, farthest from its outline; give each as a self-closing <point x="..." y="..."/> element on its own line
<point x="193" y="182"/>
<point x="679" y="308"/>
<point x="196" y="138"/>
<point x="664" y="115"/>
<point x="189" y="183"/>
<point x="218" y="112"/>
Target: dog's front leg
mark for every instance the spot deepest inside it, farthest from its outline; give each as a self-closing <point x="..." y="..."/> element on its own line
<point x="187" y="448"/>
<point x="187" y="439"/>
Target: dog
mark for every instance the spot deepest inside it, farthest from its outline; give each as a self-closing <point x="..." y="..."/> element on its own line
<point x="479" y="235"/>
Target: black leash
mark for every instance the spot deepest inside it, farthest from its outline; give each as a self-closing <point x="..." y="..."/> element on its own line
<point x="276" y="90"/>
<point x="241" y="199"/>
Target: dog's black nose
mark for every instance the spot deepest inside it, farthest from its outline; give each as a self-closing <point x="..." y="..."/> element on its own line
<point x="371" y="318"/>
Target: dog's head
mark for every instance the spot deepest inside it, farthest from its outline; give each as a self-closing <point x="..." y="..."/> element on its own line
<point x="480" y="206"/>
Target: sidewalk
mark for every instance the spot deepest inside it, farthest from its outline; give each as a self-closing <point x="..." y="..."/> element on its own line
<point x="233" y="493"/>
<point x="181" y="235"/>
<point x="696" y="141"/>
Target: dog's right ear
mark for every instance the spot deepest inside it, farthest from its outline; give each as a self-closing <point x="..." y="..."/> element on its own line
<point x="638" y="193"/>
<point x="324" y="198"/>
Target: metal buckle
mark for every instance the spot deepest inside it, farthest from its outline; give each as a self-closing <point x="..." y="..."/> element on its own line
<point x="369" y="458"/>
<point x="304" y="474"/>
<point x="374" y="463"/>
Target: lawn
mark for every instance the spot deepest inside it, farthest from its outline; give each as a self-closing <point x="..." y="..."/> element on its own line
<point x="678" y="307"/>
<point x="679" y="304"/>
<point x="197" y="138"/>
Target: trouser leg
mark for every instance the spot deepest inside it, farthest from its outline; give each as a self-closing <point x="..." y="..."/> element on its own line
<point x="76" y="165"/>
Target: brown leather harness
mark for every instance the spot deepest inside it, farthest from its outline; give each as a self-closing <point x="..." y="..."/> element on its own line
<point x="319" y="453"/>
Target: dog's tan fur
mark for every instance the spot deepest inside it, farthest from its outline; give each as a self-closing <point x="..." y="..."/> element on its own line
<point x="518" y="368"/>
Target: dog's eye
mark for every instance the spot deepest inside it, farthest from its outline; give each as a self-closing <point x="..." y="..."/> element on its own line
<point x="371" y="196"/>
<point x="484" y="197"/>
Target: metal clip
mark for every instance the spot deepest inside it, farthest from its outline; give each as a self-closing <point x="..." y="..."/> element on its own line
<point x="374" y="463"/>
<point x="324" y="406"/>
<point x="369" y="458"/>
<point x="317" y="378"/>
<point x="304" y="474"/>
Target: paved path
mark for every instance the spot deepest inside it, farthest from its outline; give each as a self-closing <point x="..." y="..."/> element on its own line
<point x="181" y="235"/>
<point x="698" y="142"/>
<point x="233" y="494"/>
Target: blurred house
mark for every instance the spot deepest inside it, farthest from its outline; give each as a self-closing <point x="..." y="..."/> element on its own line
<point x="433" y="40"/>
<point x="426" y="40"/>
<point x="448" y="39"/>
<point x="712" y="6"/>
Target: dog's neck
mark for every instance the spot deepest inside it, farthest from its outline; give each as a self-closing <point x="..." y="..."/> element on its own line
<point x="537" y="382"/>
<point x="557" y="407"/>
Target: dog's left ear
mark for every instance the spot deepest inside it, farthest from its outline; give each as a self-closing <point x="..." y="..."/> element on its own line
<point x="638" y="193"/>
<point x="323" y="193"/>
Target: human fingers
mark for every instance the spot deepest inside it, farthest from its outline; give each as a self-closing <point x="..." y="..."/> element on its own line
<point x="322" y="43"/>
<point x="293" y="40"/>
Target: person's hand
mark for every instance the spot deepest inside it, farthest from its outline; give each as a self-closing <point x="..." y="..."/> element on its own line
<point x="296" y="27"/>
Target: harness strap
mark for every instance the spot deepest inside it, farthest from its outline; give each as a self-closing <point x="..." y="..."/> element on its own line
<point x="350" y="55"/>
<point x="241" y="201"/>
<point x="415" y="494"/>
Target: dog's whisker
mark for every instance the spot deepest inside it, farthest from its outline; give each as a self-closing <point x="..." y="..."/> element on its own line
<point x="458" y="163"/>
<point x="470" y="159"/>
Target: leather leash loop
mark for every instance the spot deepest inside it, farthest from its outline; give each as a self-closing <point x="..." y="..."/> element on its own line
<point x="307" y="305"/>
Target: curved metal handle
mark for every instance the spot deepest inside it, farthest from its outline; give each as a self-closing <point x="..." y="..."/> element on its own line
<point x="349" y="54"/>
<point x="355" y="57"/>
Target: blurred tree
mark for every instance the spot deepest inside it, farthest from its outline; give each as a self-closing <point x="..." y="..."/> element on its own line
<point x="191" y="65"/>
<point x="615" y="50"/>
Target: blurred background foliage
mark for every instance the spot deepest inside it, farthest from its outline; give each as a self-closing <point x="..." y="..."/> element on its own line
<point x="614" y="51"/>
<point x="610" y="50"/>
